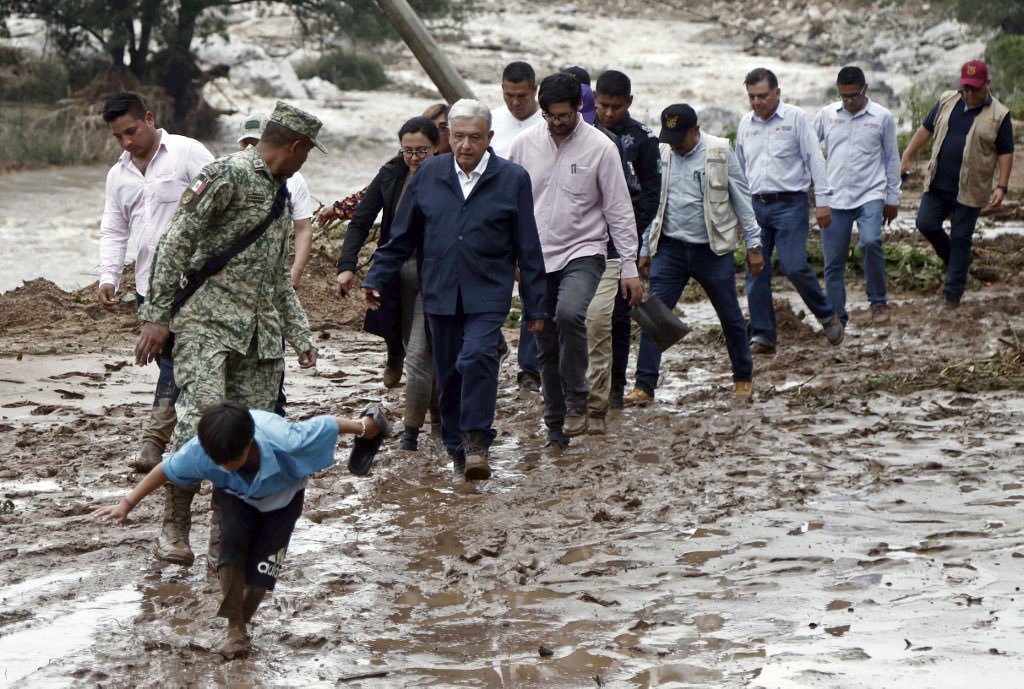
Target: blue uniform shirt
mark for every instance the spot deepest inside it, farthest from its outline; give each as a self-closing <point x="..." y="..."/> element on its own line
<point x="951" y="155"/>
<point x="289" y="452"/>
<point x="863" y="157"/>
<point x="782" y="153"/>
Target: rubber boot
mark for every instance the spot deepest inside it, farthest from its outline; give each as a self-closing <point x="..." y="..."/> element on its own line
<point x="173" y="545"/>
<point x="155" y="436"/>
<point x="232" y="607"/>
<point x="213" y="549"/>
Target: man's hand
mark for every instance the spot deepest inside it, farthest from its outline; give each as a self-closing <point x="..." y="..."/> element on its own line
<point x="755" y="261"/>
<point x="112" y="513"/>
<point x="307" y="359"/>
<point x="996" y="200"/>
<point x="823" y="214"/>
<point x="371" y="298"/>
<point x="345" y="280"/>
<point x="889" y="214"/>
<point x="632" y="290"/>
<point x="905" y="168"/>
<point x="151" y="342"/>
<point x="535" y="326"/>
<point x="106" y="297"/>
<point x="327" y="216"/>
<point x="643" y="266"/>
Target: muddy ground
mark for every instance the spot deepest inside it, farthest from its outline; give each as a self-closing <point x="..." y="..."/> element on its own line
<point x="857" y="525"/>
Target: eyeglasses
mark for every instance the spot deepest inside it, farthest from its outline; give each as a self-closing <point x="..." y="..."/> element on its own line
<point x="418" y="152"/>
<point x="852" y="96"/>
<point x="561" y="119"/>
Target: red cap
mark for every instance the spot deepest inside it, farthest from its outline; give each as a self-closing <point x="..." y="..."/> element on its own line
<point x="974" y="74"/>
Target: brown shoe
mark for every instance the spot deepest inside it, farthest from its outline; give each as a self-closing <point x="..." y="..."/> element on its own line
<point x="576" y="423"/>
<point x="393" y="374"/>
<point x="596" y="425"/>
<point x="879" y="314"/>
<point x="637" y="398"/>
<point x="757" y="347"/>
<point x="742" y="389"/>
<point x="172" y="545"/>
<point x="477" y="468"/>
<point x="155" y="436"/>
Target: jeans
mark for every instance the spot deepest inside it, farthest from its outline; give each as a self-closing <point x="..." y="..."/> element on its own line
<point x="955" y="248"/>
<point x="784" y="228"/>
<point x="563" y="342"/>
<point x="465" y="352"/>
<point x="835" y="245"/>
<point x="527" y="354"/>
<point x="165" y="387"/>
<point x="672" y="267"/>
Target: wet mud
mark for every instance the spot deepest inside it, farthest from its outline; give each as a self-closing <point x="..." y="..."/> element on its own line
<point x="858" y="524"/>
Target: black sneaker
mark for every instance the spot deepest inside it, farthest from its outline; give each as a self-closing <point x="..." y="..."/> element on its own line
<point x="409" y="440"/>
<point x="951" y="302"/>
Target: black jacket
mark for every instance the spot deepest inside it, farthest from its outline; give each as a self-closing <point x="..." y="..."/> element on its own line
<point x="640" y="150"/>
<point x="383" y="194"/>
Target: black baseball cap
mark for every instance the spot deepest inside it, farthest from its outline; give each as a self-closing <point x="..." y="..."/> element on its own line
<point x="581" y="75"/>
<point x="676" y="120"/>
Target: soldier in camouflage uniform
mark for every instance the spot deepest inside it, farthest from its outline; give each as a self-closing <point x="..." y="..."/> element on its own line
<point x="228" y="334"/>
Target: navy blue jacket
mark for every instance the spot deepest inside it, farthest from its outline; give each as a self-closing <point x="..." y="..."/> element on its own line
<point x="470" y="247"/>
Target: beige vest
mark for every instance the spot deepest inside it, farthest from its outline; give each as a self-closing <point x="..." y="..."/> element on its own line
<point x="980" y="157"/>
<point x="719" y="216"/>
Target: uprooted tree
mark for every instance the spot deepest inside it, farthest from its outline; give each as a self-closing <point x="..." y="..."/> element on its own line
<point x="151" y="40"/>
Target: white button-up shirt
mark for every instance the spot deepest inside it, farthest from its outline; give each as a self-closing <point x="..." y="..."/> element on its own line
<point x="143" y="205"/>
<point x="863" y="155"/>
<point x="467" y="182"/>
<point x="782" y="154"/>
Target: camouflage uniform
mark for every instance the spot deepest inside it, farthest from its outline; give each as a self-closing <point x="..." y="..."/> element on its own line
<point x="228" y="334"/>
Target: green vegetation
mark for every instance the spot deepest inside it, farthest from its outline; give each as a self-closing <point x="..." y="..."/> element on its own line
<point x="345" y="70"/>
<point x="34" y="136"/>
<point x="920" y="99"/>
<point x="1005" y="58"/>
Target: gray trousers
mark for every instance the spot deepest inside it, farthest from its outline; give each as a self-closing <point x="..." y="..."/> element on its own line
<point x="563" y="342"/>
<point x="419" y="370"/>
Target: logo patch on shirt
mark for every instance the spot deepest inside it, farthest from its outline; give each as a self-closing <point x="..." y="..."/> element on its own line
<point x="784" y="128"/>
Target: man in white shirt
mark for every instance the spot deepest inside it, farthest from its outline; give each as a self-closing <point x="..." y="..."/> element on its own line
<point x="143" y="189"/>
<point x="302" y="217"/>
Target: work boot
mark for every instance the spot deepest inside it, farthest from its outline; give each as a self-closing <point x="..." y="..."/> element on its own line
<point x="596" y="425"/>
<point x="213" y="548"/>
<point x="172" y="545"/>
<point x="638" y="398"/>
<point x="458" y="466"/>
<point x="759" y="347"/>
<point x="393" y="373"/>
<point x="834" y="331"/>
<point x="475" y="448"/>
<point x="742" y="389"/>
<point x="879" y="314"/>
<point x="575" y="423"/>
<point x="951" y="302"/>
<point x="529" y="382"/>
<point x="409" y="440"/>
<point x="155" y="436"/>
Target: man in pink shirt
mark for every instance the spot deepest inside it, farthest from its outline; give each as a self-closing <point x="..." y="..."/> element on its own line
<point x="143" y="189"/>
<point x="580" y="198"/>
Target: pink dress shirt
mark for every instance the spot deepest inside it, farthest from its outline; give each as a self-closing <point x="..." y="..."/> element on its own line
<point x="143" y="205"/>
<point x="580" y="195"/>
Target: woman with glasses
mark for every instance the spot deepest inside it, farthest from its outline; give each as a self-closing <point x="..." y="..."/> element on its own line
<point x="400" y="319"/>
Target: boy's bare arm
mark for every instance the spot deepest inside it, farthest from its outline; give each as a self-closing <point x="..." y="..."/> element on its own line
<point x="119" y="512"/>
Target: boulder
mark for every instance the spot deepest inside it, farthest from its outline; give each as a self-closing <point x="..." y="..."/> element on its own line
<point x="268" y="77"/>
<point x="215" y="50"/>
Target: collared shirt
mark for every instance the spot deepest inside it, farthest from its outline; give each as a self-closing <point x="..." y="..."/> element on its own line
<point x="506" y="128"/>
<point x="143" y="205"/>
<point x="289" y="453"/>
<point x="684" y="209"/>
<point x="782" y="153"/>
<point x="863" y="157"/>
<point x="580" y="195"/>
<point x="468" y="181"/>
<point x="951" y="155"/>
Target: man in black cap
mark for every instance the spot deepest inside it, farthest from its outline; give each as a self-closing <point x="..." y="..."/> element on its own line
<point x="705" y="202"/>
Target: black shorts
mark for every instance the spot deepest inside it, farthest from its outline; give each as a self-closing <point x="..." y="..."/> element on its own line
<point x="257" y="541"/>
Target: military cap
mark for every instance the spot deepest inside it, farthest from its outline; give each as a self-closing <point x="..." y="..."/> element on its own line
<point x="252" y="127"/>
<point x="299" y="121"/>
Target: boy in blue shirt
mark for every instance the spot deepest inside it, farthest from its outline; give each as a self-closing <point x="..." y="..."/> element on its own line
<point x="258" y="464"/>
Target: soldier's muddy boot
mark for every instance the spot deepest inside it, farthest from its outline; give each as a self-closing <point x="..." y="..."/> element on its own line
<point x="475" y="447"/>
<point x="155" y="436"/>
<point x="173" y="545"/>
<point x="213" y="549"/>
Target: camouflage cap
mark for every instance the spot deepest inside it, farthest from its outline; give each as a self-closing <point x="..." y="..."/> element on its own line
<point x="252" y="127"/>
<point x="299" y="121"/>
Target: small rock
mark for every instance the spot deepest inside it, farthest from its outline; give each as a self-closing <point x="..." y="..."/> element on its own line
<point x="545" y="652"/>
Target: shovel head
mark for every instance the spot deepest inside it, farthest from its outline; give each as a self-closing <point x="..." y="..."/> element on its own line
<point x="659" y="323"/>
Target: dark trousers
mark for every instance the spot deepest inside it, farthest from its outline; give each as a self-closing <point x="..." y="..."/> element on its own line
<point x="621" y="333"/>
<point x="255" y="541"/>
<point x="465" y="354"/>
<point x="165" y="387"/>
<point x="673" y="266"/>
<point x="282" y="399"/>
<point x="563" y="342"/>
<point x="955" y="248"/>
<point x="784" y="226"/>
<point x="527" y="354"/>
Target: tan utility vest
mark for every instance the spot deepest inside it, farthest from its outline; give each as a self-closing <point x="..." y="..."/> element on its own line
<point x="719" y="216"/>
<point x="980" y="157"/>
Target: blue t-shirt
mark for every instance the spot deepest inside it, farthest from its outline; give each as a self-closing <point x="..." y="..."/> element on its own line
<point x="289" y="452"/>
<point x="951" y="155"/>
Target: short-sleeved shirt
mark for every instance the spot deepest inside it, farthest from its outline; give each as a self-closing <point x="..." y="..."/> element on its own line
<point x="302" y="204"/>
<point x="951" y="155"/>
<point x="289" y="453"/>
